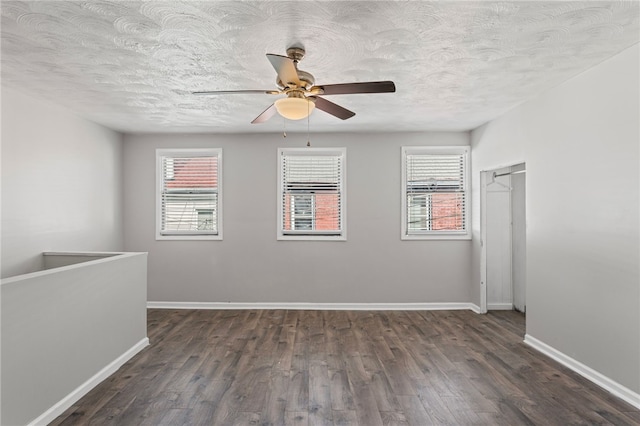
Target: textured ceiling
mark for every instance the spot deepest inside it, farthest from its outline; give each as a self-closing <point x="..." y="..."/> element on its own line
<point x="132" y="65"/>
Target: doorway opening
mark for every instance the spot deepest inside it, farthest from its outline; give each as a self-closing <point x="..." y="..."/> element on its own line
<point x="503" y="238"/>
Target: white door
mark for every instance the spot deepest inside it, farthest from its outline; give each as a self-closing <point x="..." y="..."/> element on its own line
<point x="518" y="241"/>
<point x="498" y="244"/>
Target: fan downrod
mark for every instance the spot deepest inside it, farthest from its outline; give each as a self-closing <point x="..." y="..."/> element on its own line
<point x="296" y="53"/>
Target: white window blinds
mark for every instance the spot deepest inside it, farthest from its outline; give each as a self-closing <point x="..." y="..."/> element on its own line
<point x="311" y="192"/>
<point x="189" y="199"/>
<point x="435" y="191"/>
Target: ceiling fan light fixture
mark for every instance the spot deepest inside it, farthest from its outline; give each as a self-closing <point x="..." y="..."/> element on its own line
<point x="302" y="95"/>
<point x="294" y="108"/>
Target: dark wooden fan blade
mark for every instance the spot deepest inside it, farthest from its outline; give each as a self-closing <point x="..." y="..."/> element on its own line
<point x="350" y="88"/>
<point x="265" y="115"/>
<point x="285" y="68"/>
<point x="235" y="92"/>
<point x="333" y="109"/>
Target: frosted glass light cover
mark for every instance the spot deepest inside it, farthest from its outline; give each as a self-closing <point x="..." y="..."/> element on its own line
<point x="294" y="108"/>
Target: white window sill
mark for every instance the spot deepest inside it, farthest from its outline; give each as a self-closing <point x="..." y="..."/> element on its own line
<point x="418" y="237"/>
<point x="188" y="237"/>
<point x="312" y="238"/>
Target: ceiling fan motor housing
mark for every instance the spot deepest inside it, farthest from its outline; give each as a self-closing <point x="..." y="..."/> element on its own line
<point x="295" y="93"/>
<point x="306" y="79"/>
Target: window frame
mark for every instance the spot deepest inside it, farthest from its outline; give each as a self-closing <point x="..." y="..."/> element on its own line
<point x="342" y="187"/>
<point x="436" y="235"/>
<point x="195" y="234"/>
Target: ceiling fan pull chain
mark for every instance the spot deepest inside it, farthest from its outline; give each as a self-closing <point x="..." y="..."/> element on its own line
<point x="284" y="127"/>
<point x="308" y="114"/>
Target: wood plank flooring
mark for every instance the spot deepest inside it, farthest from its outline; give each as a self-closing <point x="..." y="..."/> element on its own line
<point x="276" y="367"/>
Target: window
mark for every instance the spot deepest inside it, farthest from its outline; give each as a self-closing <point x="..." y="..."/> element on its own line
<point x="311" y="194"/>
<point x="189" y="194"/>
<point x="435" y="193"/>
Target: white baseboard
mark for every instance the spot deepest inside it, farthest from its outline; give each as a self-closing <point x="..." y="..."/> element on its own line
<point x="500" y="306"/>
<point x="475" y="308"/>
<point x="317" y="306"/>
<point x="589" y="373"/>
<point x="66" y="402"/>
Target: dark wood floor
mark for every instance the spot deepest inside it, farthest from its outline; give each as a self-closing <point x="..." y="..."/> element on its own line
<point x="277" y="367"/>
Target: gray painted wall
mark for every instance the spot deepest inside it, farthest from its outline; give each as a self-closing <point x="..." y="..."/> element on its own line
<point x="62" y="326"/>
<point x="61" y="184"/>
<point x="580" y="143"/>
<point x="57" y="260"/>
<point x="249" y="265"/>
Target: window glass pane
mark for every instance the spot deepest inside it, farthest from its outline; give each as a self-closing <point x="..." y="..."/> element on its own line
<point x="182" y="212"/>
<point x="302" y="214"/>
<point x="447" y="212"/>
<point x="327" y="211"/>
<point x="418" y="212"/>
<point x="205" y="219"/>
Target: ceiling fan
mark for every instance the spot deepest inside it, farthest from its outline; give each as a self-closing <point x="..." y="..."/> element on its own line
<point x="302" y="95"/>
